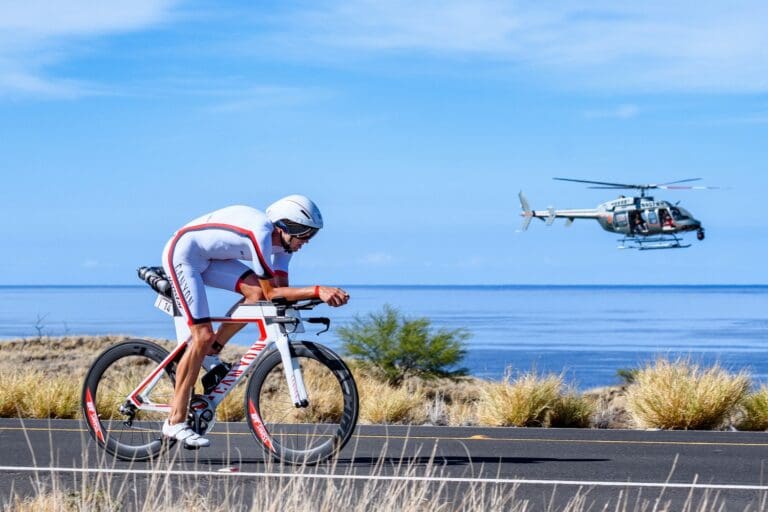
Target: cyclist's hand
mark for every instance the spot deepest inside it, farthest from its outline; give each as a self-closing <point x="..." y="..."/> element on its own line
<point x="333" y="296"/>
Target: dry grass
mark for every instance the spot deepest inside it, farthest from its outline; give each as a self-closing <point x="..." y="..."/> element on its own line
<point x="681" y="394"/>
<point x="381" y="403"/>
<point x="42" y="378"/>
<point x="326" y="403"/>
<point x="300" y="489"/>
<point x="521" y="402"/>
<point x="297" y="492"/>
<point x="753" y="413"/>
<point x="61" y="501"/>
<point x="571" y="410"/>
<point x="35" y="394"/>
<point x="232" y="408"/>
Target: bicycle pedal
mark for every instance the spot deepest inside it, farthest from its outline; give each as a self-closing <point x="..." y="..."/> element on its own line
<point x="190" y="447"/>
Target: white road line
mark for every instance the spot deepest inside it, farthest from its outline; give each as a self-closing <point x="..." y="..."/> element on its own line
<point x="385" y="478"/>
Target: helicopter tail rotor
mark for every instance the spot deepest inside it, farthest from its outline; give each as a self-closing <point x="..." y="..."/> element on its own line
<point x="527" y="212"/>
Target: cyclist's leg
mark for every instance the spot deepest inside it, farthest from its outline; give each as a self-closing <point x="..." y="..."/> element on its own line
<point x="185" y="267"/>
<point x="235" y="276"/>
<point x="186" y="376"/>
<point x="188" y="369"/>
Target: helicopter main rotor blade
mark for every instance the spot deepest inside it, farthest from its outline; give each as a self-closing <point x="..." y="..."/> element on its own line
<point x="686" y="187"/>
<point x="617" y="187"/>
<point x="680" y="181"/>
<point x="607" y="183"/>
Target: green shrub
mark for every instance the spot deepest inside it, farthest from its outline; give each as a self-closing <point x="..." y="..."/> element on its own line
<point x="627" y="375"/>
<point x="398" y="347"/>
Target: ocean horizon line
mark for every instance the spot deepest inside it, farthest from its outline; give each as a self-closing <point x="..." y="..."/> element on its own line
<point x="428" y="286"/>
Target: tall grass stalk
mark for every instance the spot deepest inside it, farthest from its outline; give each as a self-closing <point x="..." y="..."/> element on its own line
<point x="681" y="394"/>
<point x="307" y="489"/>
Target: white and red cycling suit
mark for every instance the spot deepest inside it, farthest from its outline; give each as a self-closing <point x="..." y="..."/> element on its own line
<point x="208" y="250"/>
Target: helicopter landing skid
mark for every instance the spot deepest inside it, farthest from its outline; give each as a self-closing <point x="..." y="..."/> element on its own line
<point x="652" y="243"/>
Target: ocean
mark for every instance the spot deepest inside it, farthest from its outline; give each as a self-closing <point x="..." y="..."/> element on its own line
<point x="586" y="333"/>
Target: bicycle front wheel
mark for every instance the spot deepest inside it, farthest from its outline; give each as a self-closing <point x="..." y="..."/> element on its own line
<point x="302" y="435"/>
<point x="122" y="430"/>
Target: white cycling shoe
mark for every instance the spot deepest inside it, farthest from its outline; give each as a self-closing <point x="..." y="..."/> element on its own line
<point x="182" y="432"/>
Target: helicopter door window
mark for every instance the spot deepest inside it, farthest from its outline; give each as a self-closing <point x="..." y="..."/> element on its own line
<point x="652" y="217"/>
<point x="620" y="220"/>
<point x="666" y="219"/>
<point x="677" y="214"/>
<point x="638" y="223"/>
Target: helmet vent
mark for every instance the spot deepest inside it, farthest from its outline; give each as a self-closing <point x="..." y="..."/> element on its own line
<point x="298" y="209"/>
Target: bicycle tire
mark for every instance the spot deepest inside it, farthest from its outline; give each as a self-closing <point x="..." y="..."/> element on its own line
<point x="306" y="435"/>
<point x="112" y="376"/>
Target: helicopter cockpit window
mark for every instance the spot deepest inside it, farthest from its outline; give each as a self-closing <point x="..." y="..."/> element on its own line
<point x="678" y="213"/>
<point x="652" y="217"/>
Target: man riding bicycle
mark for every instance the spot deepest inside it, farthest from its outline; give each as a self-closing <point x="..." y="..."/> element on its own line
<point x="207" y="251"/>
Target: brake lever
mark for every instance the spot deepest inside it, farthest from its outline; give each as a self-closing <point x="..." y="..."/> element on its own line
<point x="320" y="320"/>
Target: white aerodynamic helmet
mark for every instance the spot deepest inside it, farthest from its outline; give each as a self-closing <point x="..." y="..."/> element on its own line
<point x="297" y="215"/>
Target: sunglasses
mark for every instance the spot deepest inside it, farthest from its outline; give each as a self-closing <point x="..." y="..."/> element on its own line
<point x="307" y="234"/>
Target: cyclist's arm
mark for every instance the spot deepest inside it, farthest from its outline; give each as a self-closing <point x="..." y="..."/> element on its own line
<point x="328" y="294"/>
<point x="280" y="262"/>
<point x="280" y="280"/>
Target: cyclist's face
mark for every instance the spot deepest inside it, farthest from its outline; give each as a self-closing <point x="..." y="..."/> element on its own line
<point x="293" y="243"/>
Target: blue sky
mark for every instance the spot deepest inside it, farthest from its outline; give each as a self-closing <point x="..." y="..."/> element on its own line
<point x="412" y="124"/>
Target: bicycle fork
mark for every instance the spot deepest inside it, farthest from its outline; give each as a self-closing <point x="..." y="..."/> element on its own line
<point x="292" y="371"/>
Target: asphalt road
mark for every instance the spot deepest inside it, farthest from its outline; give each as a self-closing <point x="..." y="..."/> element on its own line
<point x="545" y="467"/>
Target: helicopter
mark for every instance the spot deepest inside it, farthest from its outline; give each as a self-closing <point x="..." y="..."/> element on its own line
<point x="644" y="222"/>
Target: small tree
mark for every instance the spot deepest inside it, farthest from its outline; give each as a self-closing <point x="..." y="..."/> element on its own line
<point x="399" y="347"/>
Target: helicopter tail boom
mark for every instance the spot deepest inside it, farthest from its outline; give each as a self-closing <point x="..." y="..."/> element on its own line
<point x="550" y="214"/>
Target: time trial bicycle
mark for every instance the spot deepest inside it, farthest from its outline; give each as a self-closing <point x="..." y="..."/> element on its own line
<point x="301" y="401"/>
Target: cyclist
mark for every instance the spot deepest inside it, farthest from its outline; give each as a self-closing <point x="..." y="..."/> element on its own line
<point x="207" y="251"/>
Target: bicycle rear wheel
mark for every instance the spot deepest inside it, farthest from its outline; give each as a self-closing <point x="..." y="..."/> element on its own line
<point x="304" y="435"/>
<point x="124" y="431"/>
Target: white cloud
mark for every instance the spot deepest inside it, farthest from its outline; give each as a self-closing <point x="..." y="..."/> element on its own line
<point x="626" y="111"/>
<point x="596" y="44"/>
<point x="35" y="34"/>
<point x="655" y="45"/>
<point x="245" y="98"/>
<point x="43" y="18"/>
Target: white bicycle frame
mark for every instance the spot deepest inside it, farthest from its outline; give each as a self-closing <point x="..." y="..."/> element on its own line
<point x="272" y="328"/>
